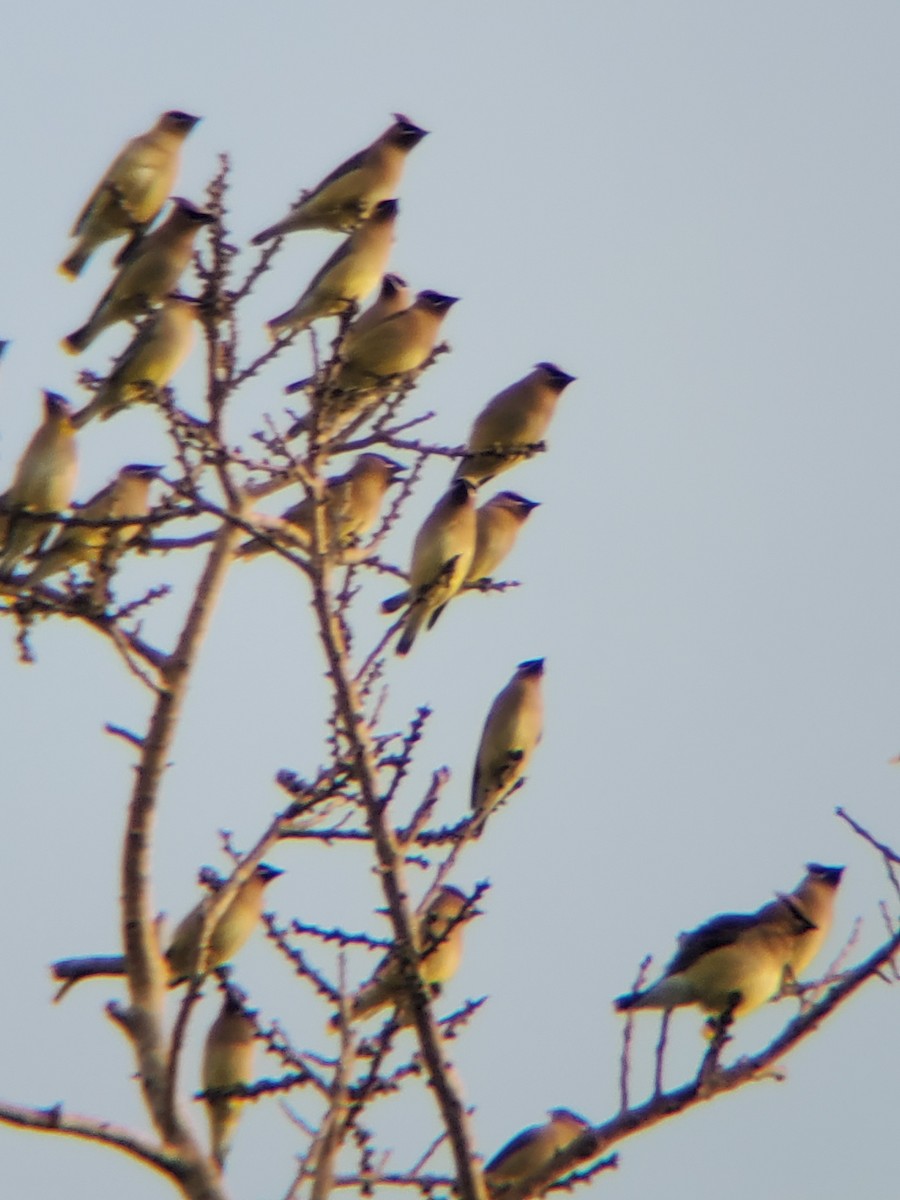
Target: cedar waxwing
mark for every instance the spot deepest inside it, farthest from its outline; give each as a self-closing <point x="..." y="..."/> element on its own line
<point x="442" y="553"/>
<point x="130" y="195"/>
<point x="351" y="191"/>
<point x="227" y="1064"/>
<point x="232" y="929"/>
<point x="511" y="731"/>
<point x="400" y="344"/>
<point x="736" y="961"/>
<point x="349" y="274"/>
<point x="230" y="932"/>
<point x="498" y="525"/>
<point x="394" y="297"/>
<point x="352" y="505"/>
<point x="515" y="418"/>
<point x="148" y="273"/>
<point x="814" y="897"/>
<point x="440" y="944"/>
<point x="43" y="482"/>
<point x="159" y="349"/>
<point x="127" y="496"/>
<point x="533" y="1150"/>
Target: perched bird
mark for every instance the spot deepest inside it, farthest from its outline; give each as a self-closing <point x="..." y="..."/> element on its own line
<point x="148" y="273"/>
<point x="511" y="732"/>
<point x="227" y="1064"/>
<point x="349" y="274"/>
<point x="533" y="1150"/>
<point x="127" y="496"/>
<point x="513" y="420"/>
<point x="737" y="961"/>
<point x="351" y="191"/>
<point x="498" y="524"/>
<point x="229" y="933"/>
<point x="814" y="897"/>
<point x="352" y="504"/>
<point x="439" y="934"/>
<point x="393" y="297"/>
<point x="130" y="195"/>
<point x="159" y="349"/>
<point x="442" y="554"/>
<point x="43" y="482"/>
<point x="394" y="347"/>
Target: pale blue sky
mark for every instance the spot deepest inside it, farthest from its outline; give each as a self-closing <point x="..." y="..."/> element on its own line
<point x="693" y="208"/>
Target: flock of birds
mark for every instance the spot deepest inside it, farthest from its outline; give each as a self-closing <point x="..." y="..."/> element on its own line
<point x="727" y="967"/>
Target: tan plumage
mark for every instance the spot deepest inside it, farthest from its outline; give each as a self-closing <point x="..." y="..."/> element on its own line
<point x="148" y="273"/>
<point x="498" y="525"/>
<point x="511" y="732"/>
<point x="350" y="192"/>
<point x="159" y="349"/>
<point x="349" y="274"/>
<point x="442" y="554"/>
<point x="532" y="1151"/>
<point x="352" y="505"/>
<point x="814" y="897"/>
<point x="513" y="420"/>
<point x="377" y="358"/>
<point x="229" y="933"/>
<point x="127" y="496"/>
<point x="738" y="961"/>
<point x="439" y="932"/>
<point x="130" y="195"/>
<point x="393" y="297"/>
<point x="227" y="1064"/>
<point x="43" y="482"/>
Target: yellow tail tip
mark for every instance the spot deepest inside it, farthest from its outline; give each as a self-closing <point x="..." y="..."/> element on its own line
<point x="69" y="346"/>
<point x="66" y="271"/>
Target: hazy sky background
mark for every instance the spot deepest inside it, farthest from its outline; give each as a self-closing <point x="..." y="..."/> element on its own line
<point x="692" y="207"/>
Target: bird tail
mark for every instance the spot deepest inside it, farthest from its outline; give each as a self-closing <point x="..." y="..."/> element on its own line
<point x="393" y="603"/>
<point x="283" y="324"/>
<point x="71" y="267"/>
<point x="410" y="630"/>
<point x="298" y="385"/>
<point x="79" y="340"/>
<point x="273" y="231"/>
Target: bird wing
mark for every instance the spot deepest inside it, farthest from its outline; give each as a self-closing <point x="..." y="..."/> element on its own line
<point x="721" y="931"/>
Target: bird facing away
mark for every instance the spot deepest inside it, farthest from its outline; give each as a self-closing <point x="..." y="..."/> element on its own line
<point x="511" y="732"/>
<point x="348" y="276"/>
<point x="43" y="482"/>
<point x="352" y="506"/>
<point x="148" y="273"/>
<point x="227" y="1064"/>
<point x="349" y="194"/>
<point x="514" y="420"/>
<point x="439" y="944"/>
<point x="130" y="195"/>
<point x="533" y="1150"/>
<point x="442" y="554"/>
<point x="159" y="349"/>
<point x="127" y="496"/>
<point x="393" y="297"/>
<point x="498" y="525"/>
<point x="737" y="961"/>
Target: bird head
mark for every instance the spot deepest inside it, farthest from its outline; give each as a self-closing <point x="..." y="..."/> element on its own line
<point x="404" y="132"/>
<point x="176" y="121"/>
<point x="556" y="378"/>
